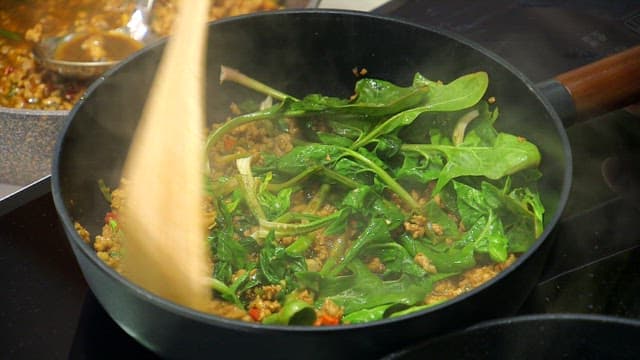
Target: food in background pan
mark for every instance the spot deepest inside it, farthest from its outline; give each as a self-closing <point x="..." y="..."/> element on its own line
<point x="23" y="23"/>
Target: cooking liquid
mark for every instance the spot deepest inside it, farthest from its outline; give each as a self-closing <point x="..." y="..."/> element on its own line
<point x="98" y="46"/>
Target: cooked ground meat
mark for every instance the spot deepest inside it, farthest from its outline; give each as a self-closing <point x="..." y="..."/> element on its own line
<point x="331" y="309"/>
<point x="305" y="296"/>
<point x="416" y="226"/>
<point x="376" y="266"/>
<point x="424" y="262"/>
<point x="84" y="233"/>
<point x="470" y="279"/>
<point x="263" y="308"/>
<point x="223" y="308"/>
<point x="107" y="247"/>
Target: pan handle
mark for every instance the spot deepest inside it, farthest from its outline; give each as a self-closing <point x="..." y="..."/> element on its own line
<point x="605" y="85"/>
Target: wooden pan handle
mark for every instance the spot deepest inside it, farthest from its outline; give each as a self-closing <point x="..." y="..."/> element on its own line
<point x="607" y="84"/>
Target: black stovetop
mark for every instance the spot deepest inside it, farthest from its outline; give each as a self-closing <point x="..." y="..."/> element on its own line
<point x="46" y="310"/>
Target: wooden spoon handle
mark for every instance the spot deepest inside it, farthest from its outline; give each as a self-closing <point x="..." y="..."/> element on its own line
<point x="607" y="84"/>
<point x="163" y="217"/>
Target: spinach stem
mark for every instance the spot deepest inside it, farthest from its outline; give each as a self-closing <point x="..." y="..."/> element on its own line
<point x="285" y="229"/>
<point x="294" y="180"/>
<point x="336" y="253"/>
<point x="461" y="126"/>
<point x="318" y="199"/>
<point x="425" y="149"/>
<point x="11" y="35"/>
<point x="341" y="178"/>
<point x="216" y="134"/>
<point x="386" y="178"/>
<point x="233" y="75"/>
<point x="249" y="186"/>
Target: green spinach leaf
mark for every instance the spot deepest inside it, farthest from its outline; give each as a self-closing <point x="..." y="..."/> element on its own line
<point x="366" y="290"/>
<point x="274" y="205"/>
<point x="461" y="93"/>
<point x="508" y="155"/>
<point x="229" y="255"/>
<point x="376" y="231"/>
<point x="447" y="259"/>
<point x="396" y="259"/>
<point x="293" y="312"/>
<point x="372" y="314"/>
<point x="277" y="266"/>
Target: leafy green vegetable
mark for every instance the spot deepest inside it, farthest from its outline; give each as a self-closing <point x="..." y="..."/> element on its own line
<point x="382" y="195"/>
<point x="274" y="205"/>
<point x="508" y="155"/>
<point x="332" y="139"/>
<point x="229" y="255"/>
<point x="497" y="221"/>
<point x="298" y="247"/>
<point x="371" y="314"/>
<point x="441" y="226"/>
<point x="276" y="265"/>
<point x="229" y="293"/>
<point x="373" y="97"/>
<point x="293" y="312"/>
<point x="487" y="235"/>
<point x="249" y="191"/>
<point x="521" y="217"/>
<point x="231" y="74"/>
<point x="11" y="35"/>
<point x="481" y="131"/>
<point x="376" y="231"/>
<point x="396" y="259"/>
<point x="531" y="202"/>
<point x="104" y="190"/>
<point x="366" y="290"/>
<point x="447" y="259"/>
<point x="367" y="202"/>
<point x="419" y="169"/>
<point x="309" y="156"/>
<point x="411" y="310"/>
<point x="462" y="93"/>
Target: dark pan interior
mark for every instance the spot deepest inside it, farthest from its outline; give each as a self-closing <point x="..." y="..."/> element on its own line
<point x="299" y="52"/>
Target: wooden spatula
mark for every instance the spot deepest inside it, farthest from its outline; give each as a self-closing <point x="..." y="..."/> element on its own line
<point x="163" y="218"/>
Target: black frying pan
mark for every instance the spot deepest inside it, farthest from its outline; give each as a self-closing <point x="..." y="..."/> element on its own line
<point x="300" y="52"/>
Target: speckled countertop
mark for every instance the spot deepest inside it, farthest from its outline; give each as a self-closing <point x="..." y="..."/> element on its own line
<point x="27" y="139"/>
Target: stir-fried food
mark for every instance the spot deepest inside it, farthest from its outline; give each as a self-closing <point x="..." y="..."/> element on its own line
<point x="327" y="211"/>
<point x="23" y="23"/>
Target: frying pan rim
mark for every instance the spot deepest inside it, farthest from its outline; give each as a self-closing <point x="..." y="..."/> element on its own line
<point x="520" y="319"/>
<point x="209" y="319"/>
<point x="556" y="316"/>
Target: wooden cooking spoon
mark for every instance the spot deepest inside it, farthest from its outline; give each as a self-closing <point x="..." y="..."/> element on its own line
<point x="163" y="217"/>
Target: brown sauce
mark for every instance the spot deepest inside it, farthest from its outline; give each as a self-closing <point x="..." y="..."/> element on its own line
<point x="98" y="46"/>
